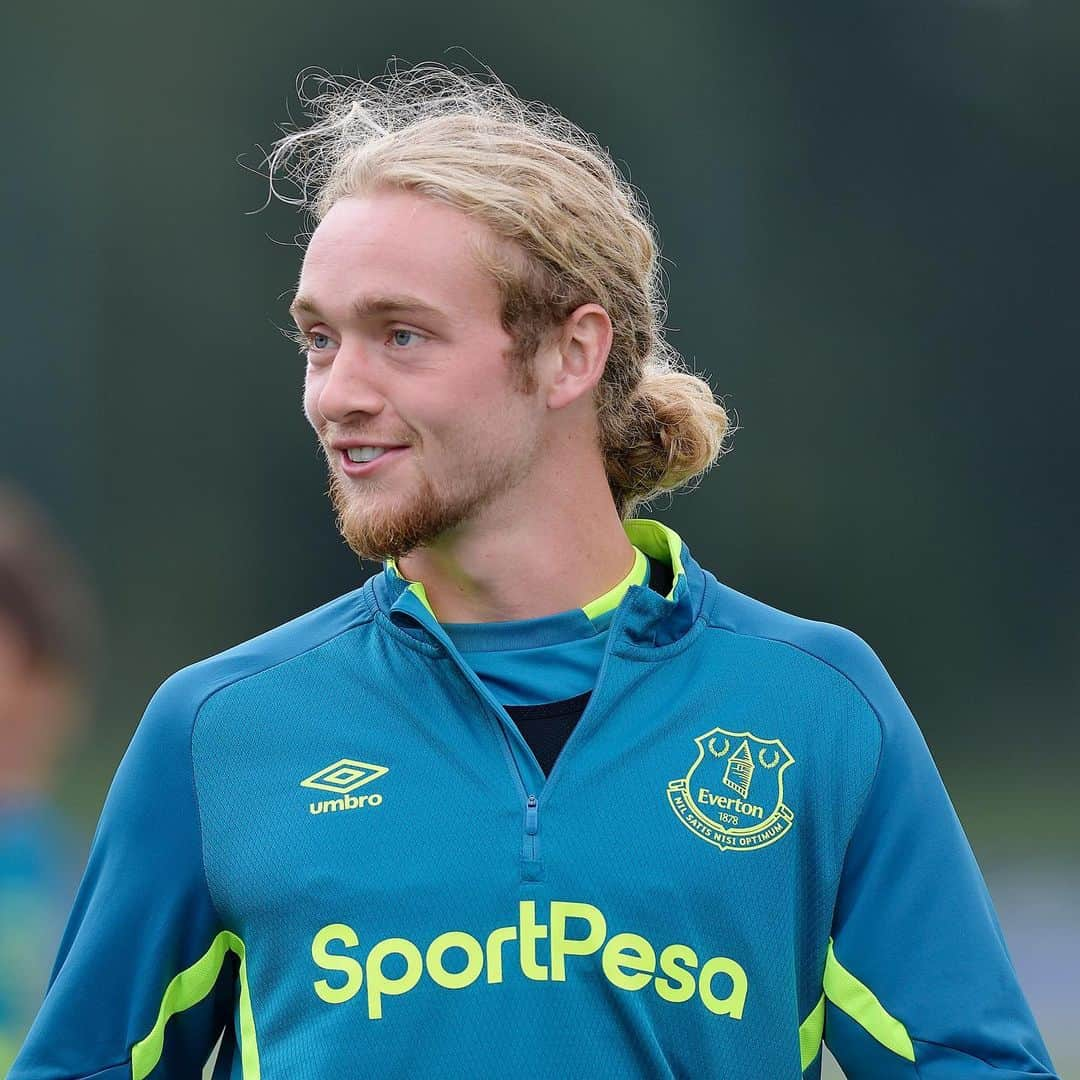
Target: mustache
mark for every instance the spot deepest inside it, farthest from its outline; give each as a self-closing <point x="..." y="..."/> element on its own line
<point x="360" y="438"/>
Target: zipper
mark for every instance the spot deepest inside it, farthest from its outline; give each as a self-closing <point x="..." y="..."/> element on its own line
<point x="591" y="707"/>
<point x="532" y="823"/>
<point x="530" y="842"/>
<point x="530" y="846"/>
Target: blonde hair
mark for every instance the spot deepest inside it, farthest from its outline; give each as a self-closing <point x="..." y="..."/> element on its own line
<point x="569" y="230"/>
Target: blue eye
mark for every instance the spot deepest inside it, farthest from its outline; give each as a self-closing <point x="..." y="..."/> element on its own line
<point x="396" y="337"/>
<point x="315" y="341"/>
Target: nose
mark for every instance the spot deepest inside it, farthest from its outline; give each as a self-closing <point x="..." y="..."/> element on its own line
<point x="345" y="387"/>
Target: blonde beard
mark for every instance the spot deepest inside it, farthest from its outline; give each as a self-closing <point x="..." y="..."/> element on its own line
<point x="377" y="534"/>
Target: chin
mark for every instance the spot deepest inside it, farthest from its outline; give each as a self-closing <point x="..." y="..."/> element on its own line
<point x="377" y="524"/>
<point x="375" y="529"/>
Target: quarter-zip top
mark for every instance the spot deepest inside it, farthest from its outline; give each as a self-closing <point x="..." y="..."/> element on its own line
<point x="407" y="605"/>
<point x="331" y="847"/>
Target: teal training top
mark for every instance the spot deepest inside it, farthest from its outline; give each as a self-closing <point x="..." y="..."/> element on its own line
<point x="555" y="657"/>
<point x="333" y="844"/>
<point x="534" y="660"/>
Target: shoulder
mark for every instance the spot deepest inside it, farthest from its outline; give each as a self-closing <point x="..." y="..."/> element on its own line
<point x="178" y="700"/>
<point x="826" y="646"/>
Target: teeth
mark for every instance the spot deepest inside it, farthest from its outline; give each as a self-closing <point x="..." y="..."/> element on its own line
<point x="365" y="453"/>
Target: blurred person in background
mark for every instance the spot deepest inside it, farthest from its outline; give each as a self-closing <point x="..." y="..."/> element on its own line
<point x="45" y="638"/>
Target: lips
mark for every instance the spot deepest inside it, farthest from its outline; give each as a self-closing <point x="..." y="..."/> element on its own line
<point x="365" y="468"/>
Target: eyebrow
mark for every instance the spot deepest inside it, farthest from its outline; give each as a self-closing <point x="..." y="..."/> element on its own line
<point x="366" y="307"/>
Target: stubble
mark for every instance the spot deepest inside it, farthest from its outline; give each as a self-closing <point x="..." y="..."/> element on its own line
<point x="377" y="531"/>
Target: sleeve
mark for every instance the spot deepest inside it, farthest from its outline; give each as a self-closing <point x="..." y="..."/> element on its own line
<point x="918" y="983"/>
<point x="144" y="981"/>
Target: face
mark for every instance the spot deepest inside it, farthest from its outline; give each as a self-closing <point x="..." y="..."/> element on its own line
<point x="407" y="358"/>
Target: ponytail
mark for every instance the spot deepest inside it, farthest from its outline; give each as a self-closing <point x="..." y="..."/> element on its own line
<point x="670" y="431"/>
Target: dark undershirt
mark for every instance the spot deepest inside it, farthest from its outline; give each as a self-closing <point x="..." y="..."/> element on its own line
<point x="546" y="727"/>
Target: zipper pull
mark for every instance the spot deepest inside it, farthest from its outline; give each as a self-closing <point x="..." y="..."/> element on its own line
<point x="532" y="816"/>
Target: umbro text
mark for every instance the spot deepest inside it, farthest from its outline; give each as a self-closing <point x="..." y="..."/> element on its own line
<point x="346" y="802"/>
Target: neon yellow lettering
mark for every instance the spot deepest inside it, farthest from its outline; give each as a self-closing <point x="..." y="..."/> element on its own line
<point x="629" y="951"/>
<point x="682" y="989"/>
<point x="562" y="946"/>
<point x="474" y="959"/>
<point x="530" y="933"/>
<point x="378" y="984"/>
<point x="733" y="1004"/>
<point x="328" y="961"/>
<point x="494" y="951"/>
<point x="725" y="802"/>
<point x="628" y="961"/>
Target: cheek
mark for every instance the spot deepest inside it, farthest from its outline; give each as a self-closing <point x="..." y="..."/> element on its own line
<point x="496" y="425"/>
<point x="311" y="398"/>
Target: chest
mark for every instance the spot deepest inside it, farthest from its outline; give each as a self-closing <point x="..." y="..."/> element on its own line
<point x="681" y="801"/>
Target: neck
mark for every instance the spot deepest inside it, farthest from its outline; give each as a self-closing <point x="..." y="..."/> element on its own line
<point x="520" y="564"/>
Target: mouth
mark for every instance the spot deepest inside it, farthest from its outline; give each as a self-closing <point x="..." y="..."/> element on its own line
<point x="364" y="460"/>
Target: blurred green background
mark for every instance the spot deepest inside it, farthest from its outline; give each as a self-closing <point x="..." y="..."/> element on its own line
<point x="869" y="223"/>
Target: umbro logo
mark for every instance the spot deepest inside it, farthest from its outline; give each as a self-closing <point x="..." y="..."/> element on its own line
<point x="342" y="778"/>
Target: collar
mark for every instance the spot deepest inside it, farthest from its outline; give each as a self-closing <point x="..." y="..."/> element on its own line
<point x="592" y="610"/>
<point x="645" y="618"/>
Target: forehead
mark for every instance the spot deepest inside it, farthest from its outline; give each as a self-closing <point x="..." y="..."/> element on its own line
<point x="397" y="243"/>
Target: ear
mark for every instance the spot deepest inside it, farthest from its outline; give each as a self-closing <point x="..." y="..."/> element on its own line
<point x="578" y="357"/>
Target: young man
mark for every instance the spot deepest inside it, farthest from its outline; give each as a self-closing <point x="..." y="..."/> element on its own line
<point x="542" y="797"/>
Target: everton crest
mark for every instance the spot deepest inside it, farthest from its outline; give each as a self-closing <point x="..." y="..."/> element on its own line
<point x="733" y="794"/>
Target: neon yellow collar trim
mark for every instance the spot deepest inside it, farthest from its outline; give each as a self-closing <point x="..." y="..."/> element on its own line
<point x="648" y="537"/>
<point x="662" y="543"/>
<point x="613" y="597"/>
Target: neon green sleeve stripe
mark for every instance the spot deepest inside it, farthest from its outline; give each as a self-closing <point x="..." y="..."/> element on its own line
<point x="859" y="1002"/>
<point x="613" y="597"/>
<point x="811" y="1031"/>
<point x="188" y="989"/>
